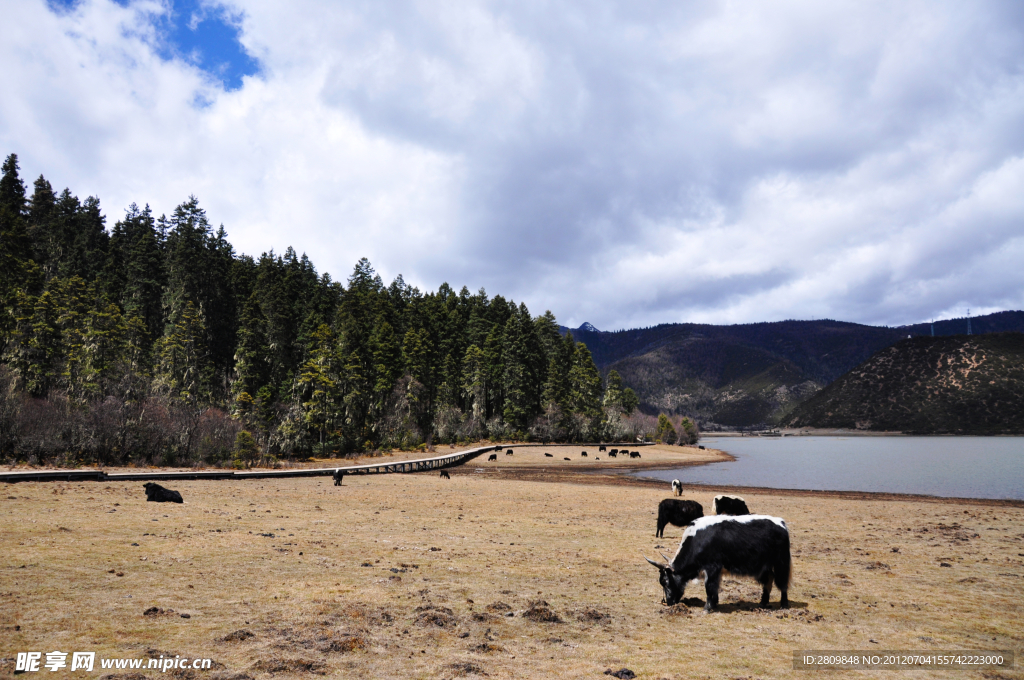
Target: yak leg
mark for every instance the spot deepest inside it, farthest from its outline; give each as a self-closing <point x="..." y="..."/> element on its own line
<point x="661" y="531"/>
<point x="712" y="582"/>
<point x="766" y="591"/>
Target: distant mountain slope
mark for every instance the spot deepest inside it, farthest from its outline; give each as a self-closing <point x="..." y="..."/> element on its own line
<point x="750" y="374"/>
<point x="957" y="384"/>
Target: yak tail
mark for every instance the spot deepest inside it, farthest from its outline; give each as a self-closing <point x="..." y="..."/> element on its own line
<point x="787" y="569"/>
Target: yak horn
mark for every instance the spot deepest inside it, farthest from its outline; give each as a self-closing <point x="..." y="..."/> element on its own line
<point x="667" y="560"/>
<point x="659" y="566"/>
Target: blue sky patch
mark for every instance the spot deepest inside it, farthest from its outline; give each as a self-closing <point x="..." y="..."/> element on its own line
<point x="202" y="33"/>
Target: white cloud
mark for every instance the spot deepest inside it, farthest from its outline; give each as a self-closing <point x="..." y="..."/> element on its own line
<point x="620" y="163"/>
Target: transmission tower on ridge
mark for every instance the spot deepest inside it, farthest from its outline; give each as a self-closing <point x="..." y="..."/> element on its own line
<point x="968" y="321"/>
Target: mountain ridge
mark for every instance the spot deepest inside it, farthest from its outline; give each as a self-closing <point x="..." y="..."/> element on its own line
<point x="751" y="375"/>
<point x="930" y="385"/>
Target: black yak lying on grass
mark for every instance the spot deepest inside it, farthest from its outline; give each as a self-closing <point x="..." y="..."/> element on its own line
<point x="158" y="494"/>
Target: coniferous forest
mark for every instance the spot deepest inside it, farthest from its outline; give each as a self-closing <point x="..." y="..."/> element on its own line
<point x="154" y="342"/>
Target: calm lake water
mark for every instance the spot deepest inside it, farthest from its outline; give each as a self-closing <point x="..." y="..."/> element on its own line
<point x="965" y="467"/>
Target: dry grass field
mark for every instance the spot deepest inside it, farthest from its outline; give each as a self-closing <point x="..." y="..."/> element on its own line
<point x="507" y="570"/>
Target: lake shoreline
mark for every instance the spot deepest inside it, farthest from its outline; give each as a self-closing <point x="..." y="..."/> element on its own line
<point x="602" y="476"/>
<point x="615" y="474"/>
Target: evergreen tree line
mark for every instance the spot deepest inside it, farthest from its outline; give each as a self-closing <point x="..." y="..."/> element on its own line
<point x="154" y="342"/>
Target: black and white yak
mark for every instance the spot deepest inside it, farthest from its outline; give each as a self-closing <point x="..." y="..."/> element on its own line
<point x="677" y="487"/>
<point x="730" y="505"/>
<point x="158" y="494"/>
<point x="677" y="512"/>
<point x="750" y="545"/>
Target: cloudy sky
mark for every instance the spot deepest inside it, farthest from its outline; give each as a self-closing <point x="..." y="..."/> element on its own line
<point x="624" y="163"/>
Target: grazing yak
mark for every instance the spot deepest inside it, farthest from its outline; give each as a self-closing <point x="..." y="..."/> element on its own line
<point x="701" y="447"/>
<point x="509" y="452"/>
<point x="634" y="454"/>
<point x="730" y="505"/>
<point x="614" y="453"/>
<point x="584" y="454"/>
<point x="338" y="477"/>
<point x="566" y="459"/>
<point x="493" y="456"/>
<point x="548" y="455"/>
<point x="601" y="448"/>
<point x="158" y="494"/>
<point x="677" y="512"/>
<point x="445" y="475"/>
<point x="677" y="487"/>
<point x="751" y="545"/>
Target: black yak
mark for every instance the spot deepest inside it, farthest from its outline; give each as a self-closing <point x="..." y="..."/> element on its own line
<point x="677" y="512"/>
<point x="158" y="494"/>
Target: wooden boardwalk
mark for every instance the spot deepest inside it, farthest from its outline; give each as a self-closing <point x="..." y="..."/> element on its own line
<point x="418" y="465"/>
<point x="403" y="466"/>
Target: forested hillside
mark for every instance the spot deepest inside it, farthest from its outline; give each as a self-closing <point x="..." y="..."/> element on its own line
<point x="751" y="375"/>
<point x="954" y="385"/>
<point x="153" y="341"/>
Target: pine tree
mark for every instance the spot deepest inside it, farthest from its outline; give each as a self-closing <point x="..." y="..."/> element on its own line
<point x="584" y="384"/>
<point x="39" y="350"/>
<point x="73" y="301"/>
<point x="665" y="432"/>
<point x="613" y="390"/>
<point x="18" y="272"/>
<point x="319" y="386"/>
<point x="183" y="367"/>
<point x="12" y="188"/>
<point x="690" y="433"/>
<point x="112" y="349"/>
<point x="40" y="214"/>
<point x="387" y="362"/>
<point x="520" y="384"/>
<point x="134" y="273"/>
<point x="548" y="334"/>
<point x="252" y="361"/>
<point x="474" y="382"/>
<point x="199" y="273"/>
<point x="629" y="401"/>
<point x="492" y="351"/>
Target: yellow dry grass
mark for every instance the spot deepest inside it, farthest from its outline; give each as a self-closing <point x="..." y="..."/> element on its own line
<point x="412" y="576"/>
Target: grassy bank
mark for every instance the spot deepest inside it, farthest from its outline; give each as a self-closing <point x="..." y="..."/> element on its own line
<point x="414" y="576"/>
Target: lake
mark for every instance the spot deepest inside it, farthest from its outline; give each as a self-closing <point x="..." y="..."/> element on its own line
<point x="965" y="467"/>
